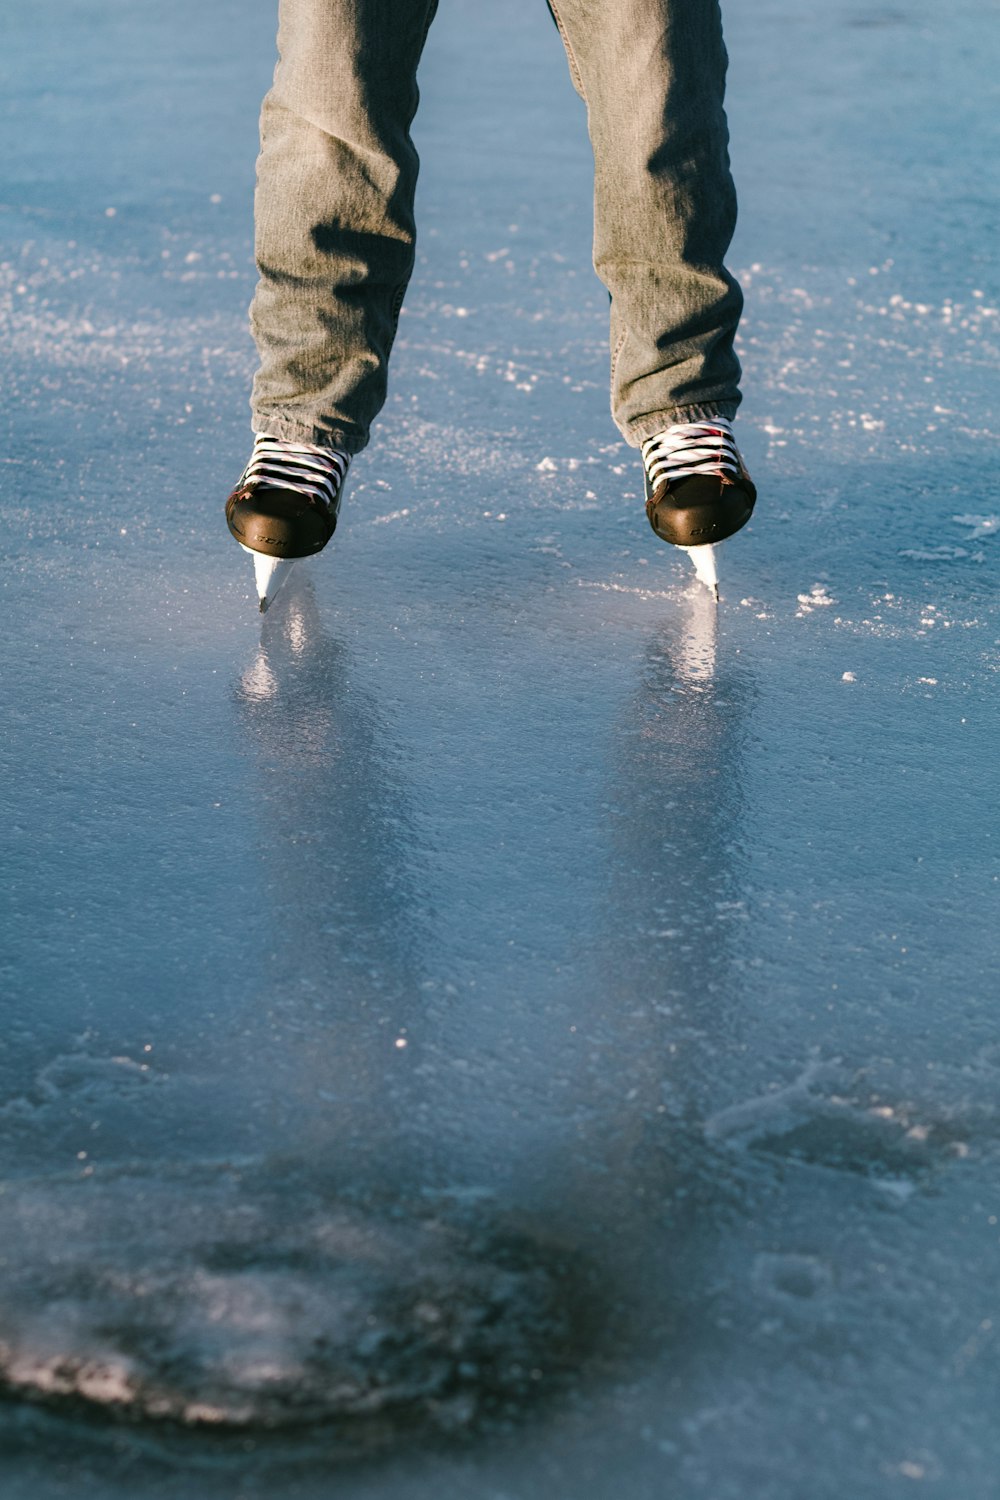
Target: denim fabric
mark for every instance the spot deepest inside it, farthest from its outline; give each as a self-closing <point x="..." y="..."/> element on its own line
<point x="334" y="208"/>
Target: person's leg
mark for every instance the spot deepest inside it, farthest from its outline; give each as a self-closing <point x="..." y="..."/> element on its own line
<point x="334" y="215"/>
<point x="652" y="74"/>
<point x="335" y="242"/>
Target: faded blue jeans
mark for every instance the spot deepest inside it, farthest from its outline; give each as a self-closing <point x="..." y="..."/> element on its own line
<point x="334" y="208"/>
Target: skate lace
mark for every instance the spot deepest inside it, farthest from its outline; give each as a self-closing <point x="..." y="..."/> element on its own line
<point x="306" y="467"/>
<point x="692" y="448"/>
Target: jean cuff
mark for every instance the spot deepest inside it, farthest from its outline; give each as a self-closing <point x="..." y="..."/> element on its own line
<point x="649" y="426"/>
<point x="289" y="430"/>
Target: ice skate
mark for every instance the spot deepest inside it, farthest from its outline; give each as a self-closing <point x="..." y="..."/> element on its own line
<point x="698" y="491"/>
<point x="285" y="507"/>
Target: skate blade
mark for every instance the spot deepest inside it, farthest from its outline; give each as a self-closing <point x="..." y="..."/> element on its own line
<point x="269" y="575"/>
<point x="705" y="567"/>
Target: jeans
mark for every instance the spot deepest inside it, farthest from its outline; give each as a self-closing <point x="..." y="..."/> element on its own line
<point x="334" y="209"/>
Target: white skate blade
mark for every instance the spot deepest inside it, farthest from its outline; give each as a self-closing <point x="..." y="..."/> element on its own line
<point x="705" y="568"/>
<point x="269" y="574"/>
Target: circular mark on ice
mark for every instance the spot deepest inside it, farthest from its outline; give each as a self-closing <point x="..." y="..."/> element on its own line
<point x="797" y="1277"/>
<point x="196" y="1299"/>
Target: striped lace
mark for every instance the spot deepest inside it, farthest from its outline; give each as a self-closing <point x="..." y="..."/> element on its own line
<point x="305" y="467"/>
<point x="692" y="448"/>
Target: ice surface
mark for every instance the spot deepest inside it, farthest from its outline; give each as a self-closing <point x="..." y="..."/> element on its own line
<point x="499" y="925"/>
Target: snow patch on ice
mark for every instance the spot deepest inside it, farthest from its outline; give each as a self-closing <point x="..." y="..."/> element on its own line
<point x="943" y="553"/>
<point x="981" y="525"/>
<point x="77" y="1075"/>
<point x="622" y="588"/>
<point x="392" y="515"/>
<point x="818" y="598"/>
<point x="874" y="1122"/>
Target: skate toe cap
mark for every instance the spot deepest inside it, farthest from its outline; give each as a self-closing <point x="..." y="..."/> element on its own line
<point x="279" y="523"/>
<point x="699" y="509"/>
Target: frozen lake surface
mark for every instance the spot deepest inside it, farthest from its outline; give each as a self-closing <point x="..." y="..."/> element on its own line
<point x="501" y="1028"/>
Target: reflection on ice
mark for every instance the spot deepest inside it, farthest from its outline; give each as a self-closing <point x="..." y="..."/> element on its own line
<point x="294" y="624"/>
<point x="337" y="928"/>
<point x="694" y="652"/>
<point x="258" y="681"/>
